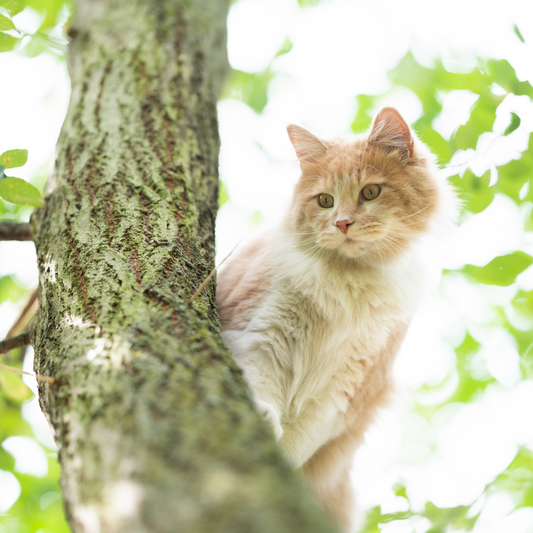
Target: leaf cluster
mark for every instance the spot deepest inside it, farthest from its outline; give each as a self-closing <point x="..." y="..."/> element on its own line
<point x="32" y="44"/>
<point x="16" y="190"/>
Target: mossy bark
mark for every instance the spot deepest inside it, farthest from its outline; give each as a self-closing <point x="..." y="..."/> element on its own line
<point x="155" y="428"/>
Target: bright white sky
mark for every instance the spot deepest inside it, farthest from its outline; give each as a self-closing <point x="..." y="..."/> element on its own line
<point x="343" y="48"/>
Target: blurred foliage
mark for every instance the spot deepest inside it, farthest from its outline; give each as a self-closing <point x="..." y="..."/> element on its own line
<point x="248" y="88"/>
<point x="39" y="508"/>
<point x="48" y="37"/>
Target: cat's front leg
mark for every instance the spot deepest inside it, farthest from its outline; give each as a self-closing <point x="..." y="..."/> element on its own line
<point x="256" y="364"/>
<point x="271" y="415"/>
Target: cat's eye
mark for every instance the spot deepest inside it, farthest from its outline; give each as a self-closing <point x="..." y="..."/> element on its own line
<point x="370" y="192"/>
<point x="325" y="200"/>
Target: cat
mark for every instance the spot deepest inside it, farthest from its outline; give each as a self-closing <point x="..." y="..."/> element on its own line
<point x="315" y="310"/>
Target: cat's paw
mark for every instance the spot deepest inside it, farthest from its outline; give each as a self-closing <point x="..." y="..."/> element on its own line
<point x="270" y="414"/>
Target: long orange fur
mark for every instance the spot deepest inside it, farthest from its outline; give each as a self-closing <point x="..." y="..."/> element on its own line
<point x="314" y="317"/>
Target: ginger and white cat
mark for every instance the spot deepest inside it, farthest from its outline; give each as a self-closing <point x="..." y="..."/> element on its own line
<point x="315" y="310"/>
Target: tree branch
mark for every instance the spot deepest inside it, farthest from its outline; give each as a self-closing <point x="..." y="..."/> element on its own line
<point x="14" y="342"/>
<point x="27" y="314"/>
<point x="15" y="231"/>
<point x="23" y="373"/>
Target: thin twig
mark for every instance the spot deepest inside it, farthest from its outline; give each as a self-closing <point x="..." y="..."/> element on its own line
<point x="25" y="316"/>
<point x="211" y="274"/>
<point x="14" y="342"/>
<point x="18" y="371"/>
<point x="15" y="231"/>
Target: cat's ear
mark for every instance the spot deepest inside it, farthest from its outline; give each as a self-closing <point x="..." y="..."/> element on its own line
<point x="390" y="131"/>
<point x="308" y="148"/>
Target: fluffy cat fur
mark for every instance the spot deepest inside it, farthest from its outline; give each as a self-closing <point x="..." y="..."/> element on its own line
<point x="315" y="310"/>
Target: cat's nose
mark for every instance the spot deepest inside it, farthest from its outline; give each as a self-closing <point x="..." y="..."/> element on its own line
<point x="343" y="225"/>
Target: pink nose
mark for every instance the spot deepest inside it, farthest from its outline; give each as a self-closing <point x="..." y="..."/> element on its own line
<point x="343" y="225"/>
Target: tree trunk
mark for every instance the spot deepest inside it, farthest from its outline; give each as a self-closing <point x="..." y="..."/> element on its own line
<point x="155" y="428"/>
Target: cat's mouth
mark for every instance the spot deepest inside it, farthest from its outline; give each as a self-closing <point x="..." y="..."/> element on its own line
<point x="354" y="244"/>
<point x="359" y="244"/>
<point x="364" y="237"/>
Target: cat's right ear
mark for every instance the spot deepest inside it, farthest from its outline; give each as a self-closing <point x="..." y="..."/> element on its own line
<point x="391" y="132"/>
<point x="308" y="148"/>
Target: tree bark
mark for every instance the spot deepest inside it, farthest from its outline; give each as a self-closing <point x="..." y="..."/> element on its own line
<point x="155" y="428"/>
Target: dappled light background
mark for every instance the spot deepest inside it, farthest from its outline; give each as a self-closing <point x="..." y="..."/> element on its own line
<point x="455" y="451"/>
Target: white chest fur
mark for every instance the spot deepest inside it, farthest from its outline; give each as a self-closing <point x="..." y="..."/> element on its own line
<point x="305" y="347"/>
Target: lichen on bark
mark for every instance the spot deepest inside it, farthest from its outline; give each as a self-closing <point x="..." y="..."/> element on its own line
<point x="154" y="425"/>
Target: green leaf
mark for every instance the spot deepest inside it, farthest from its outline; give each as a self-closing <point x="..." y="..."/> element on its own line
<point x="7" y="461"/>
<point x="249" y="88"/>
<point x="481" y="119"/>
<point x="474" y="191"/>
<point x="286" y="48"/>
<point x="518" y="34"/>
<point x="13" y="6"/>
<point x="502" y="270"/>
<point x="7" y="42"/>
<point x="223" y="194"/>
<point x="515" y="174"/>
<point x="6" y="24"/>
<point x="514" y="124"/>
<point x="505" y="76"/>
<point x="14" y="158"/>
<point x="362" y="119"/>
<point x="10" y="290"/>
<point x="523" y="303"/>
<point x="469" y="385"/>
<point x="438" y="145"/>
<point x="18" y="191"/>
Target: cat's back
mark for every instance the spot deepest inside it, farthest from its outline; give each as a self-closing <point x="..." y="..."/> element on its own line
<point x="244" y="281"/>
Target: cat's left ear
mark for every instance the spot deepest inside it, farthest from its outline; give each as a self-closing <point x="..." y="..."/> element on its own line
<point x="308" y="148"/>
<point x="390" y="131"/>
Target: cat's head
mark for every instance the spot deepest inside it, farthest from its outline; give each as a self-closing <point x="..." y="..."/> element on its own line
<point x="369" y="196"/>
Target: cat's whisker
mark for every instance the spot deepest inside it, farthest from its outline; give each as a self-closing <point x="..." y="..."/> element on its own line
<point x="371" y="166"/>
<point x="312" y="157"/>
<point x="402" y="230"/>
<point x="390" y="249"/>
<point x="306" y="237"/>
<point x="395" y="235"/>
<point x="310" y="240"/>
<point x="316" y="251"/>
<point x="419" y="211"/>
<point x="394" y="245"/>
<point x="417" y="222"/>
<point x="314" y="179"/>
<point x="381" y="257"/>
<point x="310" y="233"/>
